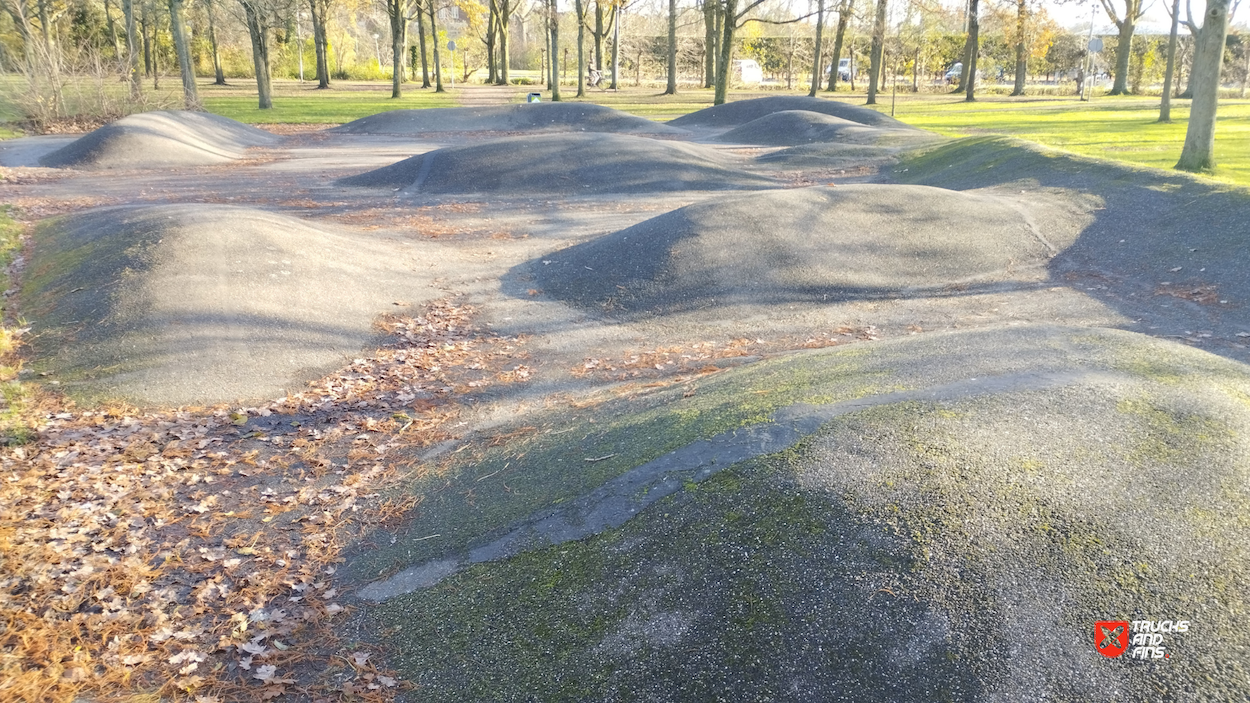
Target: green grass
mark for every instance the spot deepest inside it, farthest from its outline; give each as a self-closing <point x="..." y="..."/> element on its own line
<point x="15" y="396"/>
<point x="1120" y="129"/>
<point x="295" y="103"/>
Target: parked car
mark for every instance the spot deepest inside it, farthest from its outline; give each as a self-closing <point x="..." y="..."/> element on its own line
<point x="748" y="71"/>
<point x="845" y="72"/>
<point x="955" y="72"/>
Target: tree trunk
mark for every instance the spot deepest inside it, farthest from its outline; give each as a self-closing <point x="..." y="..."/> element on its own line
<point x="132" y="47"/>
<point x="438" y="66"/>
<point x="425" y="52"/>
<point x="600" y="33"/>
<point x="671" y="88"/>
<point x="724" y="59"/>
<point x="112" y="26"/>
<point x="817" y="64"/>
<point x="1165" y="106"/>
<point x="321" y="43"/>
<point x="492" y="27"/>
<point x="709" y="43"/>
<point x="1022" y="59"/>
<point x="219" y="74"/>
<point x="1124" y="46"/>
<point x="844" y="15"/>
<point x="878" y="46"/>
<point x="145" y="30"/>
<point x="398" y="15"/>
<point x="178" y="31"/>
<point x="505" y="19"/>
<point x="553" y="24"/>
<point x="1198" y="154"/>
<point x="974" y="49"/>
<point x="580" y="8"/>
<point x="616" y="48"/>
<point x="258" y="31"/>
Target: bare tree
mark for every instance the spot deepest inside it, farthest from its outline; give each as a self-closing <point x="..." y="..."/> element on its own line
<point x="425" y="63"/>
<point x="178" y="30"/>
<point x="400" y="13"/>
<point x="132" y="48"/>
<point x="874" y="57"/>
<point x="553" y="29"/>
<point x="1198" y="154"/>
<point x="1165" y="105"/>
<point x="1133" y="11"/>
<point x="844" y="17"/>
<point x="671" y="88"/>
<point x="259" y="20"/>
<point x="438" y="70"/>
<point x="817" y="63"/>
<point x="580" y="8"/>
<point x="219" y="75"/>
<point x="319" y="11"/>
<point x="972" y="49"/>
<point x="1022" y="54"/>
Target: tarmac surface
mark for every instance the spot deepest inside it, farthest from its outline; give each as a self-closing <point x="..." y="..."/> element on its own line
<point x="858" y="419"/>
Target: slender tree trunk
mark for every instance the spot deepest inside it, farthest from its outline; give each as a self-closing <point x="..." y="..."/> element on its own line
<point x="1165" y="106"/>
<point x="425" y="52"/>
<point x="146" y="29"/>
<point x="259" y="33"/>
<point x="1198" y="154"/>
<point x="398" y="15"/>
<point x="1022" y="60"/>
<point x="709" y="43"/>
<point x="974" y="49"/>
<point x="178" y="31"/>
<point x="505" y="21"/>
<point x="817" y="63"/>
<point x="553" y="25"/>
<point x="878" y="47"/>
<point x="321" y="43"/>
<point x="132" y="48"/>
<point x="724" y="59"/>
<point x="1245" y="52"/>
<point x="580" y="9"/>
<point x="438" y="66"/>
<point x="156" y="56"/>
<point x="844" y="15"/>
<point x="671" y="88"/>
<point x="108" y="18"/>
<point x="219" y="74"/>
<point x="492" y="27"/>
<point x="616" y="48"/>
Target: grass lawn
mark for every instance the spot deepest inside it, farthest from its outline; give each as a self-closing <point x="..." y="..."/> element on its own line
<point x="1122" y="129"/>
<point x="302" y="103"/>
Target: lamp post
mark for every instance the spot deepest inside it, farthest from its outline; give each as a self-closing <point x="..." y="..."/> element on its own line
<point x="299" y="34"/>
<point x="377" y="50"/>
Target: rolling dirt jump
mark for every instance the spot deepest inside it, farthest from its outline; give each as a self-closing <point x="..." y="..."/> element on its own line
<point x="160" y="140"/>
<point x="796" y="403"/>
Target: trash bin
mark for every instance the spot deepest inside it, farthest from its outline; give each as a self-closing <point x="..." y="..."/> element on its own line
<point x="535" y="98"/>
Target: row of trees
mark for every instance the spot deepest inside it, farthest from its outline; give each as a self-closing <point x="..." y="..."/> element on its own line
<point x="1015" y="37"/>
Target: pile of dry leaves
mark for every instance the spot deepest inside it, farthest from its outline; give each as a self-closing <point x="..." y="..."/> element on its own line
<point x="192" y="554"/>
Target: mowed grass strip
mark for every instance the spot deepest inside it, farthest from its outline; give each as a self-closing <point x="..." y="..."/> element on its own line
<point x="302" y="103"/>
<point x="1120" y="129"/>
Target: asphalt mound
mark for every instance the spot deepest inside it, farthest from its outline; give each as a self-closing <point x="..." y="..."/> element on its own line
<point x="1162" y="243"/>
<point x="794" y="127"/>
<point x="801" y="245"/>
<point x="944" y="497"/>
<point x="193" y="304"/>
<point x="741" y="112"/>
<point x="568" y="164"/>
<point x="160" y="140"/>
<point x="524" y="117"/>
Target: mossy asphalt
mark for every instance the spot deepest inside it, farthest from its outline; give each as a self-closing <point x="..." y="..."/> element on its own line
<point x="919" y="544"/>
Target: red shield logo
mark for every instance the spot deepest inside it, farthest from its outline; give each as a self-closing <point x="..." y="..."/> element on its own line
<point x="1111" y="637"/>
